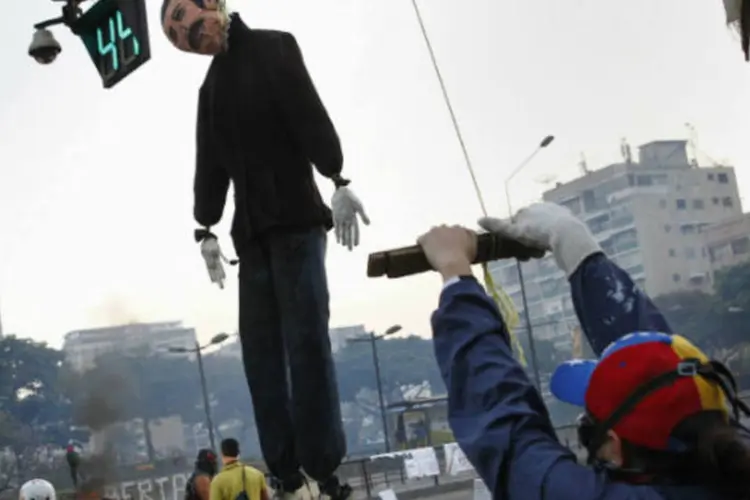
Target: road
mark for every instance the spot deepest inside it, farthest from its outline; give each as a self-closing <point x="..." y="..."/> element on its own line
<point x="456" y="495"/>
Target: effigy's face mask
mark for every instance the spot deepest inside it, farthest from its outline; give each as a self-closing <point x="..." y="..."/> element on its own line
<point x="196" y="26"/>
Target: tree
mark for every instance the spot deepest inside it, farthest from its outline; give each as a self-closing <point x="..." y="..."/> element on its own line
<point x="231" y="404"/>
<point x="715" y="322"/>
<point x="33" y="408"/>
<point x="692" y="314"/>
<point x="403" y="362"/>
<point x="732" y="288"/>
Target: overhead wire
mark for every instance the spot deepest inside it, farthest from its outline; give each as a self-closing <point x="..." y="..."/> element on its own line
<point x="449" y="105"/>
<point x="502" y="299"/>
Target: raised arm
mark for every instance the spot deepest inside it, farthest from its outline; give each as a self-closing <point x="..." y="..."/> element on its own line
<point x="496" y="414"/>
<point x="306" y="114"/>
<point x="609" y="304"/>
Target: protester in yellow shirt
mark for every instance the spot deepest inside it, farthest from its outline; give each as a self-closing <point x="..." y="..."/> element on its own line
<point x="237" y="481"/>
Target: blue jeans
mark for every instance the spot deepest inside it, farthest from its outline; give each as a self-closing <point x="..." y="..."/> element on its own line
<point x="286" y="352"/>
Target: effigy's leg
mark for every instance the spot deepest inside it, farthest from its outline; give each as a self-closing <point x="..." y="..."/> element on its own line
<point x="265" y="362"/>
<point x="302" y="292"/>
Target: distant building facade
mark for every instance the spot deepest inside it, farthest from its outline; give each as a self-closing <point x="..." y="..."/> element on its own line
<point x="728" y="242"/>
<point x="649" y="216"/>
<point x="83" y="347"/>
<point x="341" y="335"/>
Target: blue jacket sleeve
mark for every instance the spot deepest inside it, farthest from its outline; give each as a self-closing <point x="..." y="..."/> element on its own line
<point x="496" y="414"/>
<point x="609" y="304"/>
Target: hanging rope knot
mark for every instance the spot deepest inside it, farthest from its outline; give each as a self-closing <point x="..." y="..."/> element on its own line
<point x="339" y="181"/>
<point x="203" y="234"/>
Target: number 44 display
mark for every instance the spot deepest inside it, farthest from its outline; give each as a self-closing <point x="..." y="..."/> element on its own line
<point x="115" y="33"/>
<point x="113" y="44"/>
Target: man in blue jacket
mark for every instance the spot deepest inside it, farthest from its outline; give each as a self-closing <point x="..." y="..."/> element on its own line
<point x="654" y="429"/>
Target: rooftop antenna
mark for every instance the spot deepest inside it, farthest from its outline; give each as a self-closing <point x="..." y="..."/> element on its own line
<point x="693" y="148"/>
<point x="626" y="151"/>
<point x="584" y="165"/>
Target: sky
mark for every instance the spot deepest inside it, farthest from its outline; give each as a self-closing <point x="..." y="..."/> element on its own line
<point x="96" y="185"/>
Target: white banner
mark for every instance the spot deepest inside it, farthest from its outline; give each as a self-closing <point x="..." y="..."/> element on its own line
<point x="421" y="462"/>
<point x="155" y="488"/>
<point x="455" y="460"/>
<point x="387" y="495"/>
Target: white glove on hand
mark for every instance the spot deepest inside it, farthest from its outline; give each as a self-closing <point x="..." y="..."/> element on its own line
<point x="552" y="227"/>
<point x="345" y="207"/>
<point x="211" y="252"/>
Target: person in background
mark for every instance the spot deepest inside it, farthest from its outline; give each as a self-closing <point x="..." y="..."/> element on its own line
<point x="198" y="486"/>
<point x="74" y="461"/>
<point x="237" y="481"/>
<point x="659" y="417"/>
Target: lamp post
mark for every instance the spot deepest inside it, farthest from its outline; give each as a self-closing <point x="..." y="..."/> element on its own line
<point x="527" y="318"/>
<point x="198" y="350"/>
<point x="373" y="339"/>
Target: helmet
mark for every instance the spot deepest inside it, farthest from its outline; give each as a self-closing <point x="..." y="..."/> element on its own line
<point x="37" y="489"/>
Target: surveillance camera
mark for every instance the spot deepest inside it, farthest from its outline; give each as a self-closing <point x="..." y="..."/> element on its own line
<point x="44" y="48"/>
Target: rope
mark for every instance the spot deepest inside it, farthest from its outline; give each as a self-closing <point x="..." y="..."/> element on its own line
<point x="447" y="100"/>
<point x="500" y="296"/>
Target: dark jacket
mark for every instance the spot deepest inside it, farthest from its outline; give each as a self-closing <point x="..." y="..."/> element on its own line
<point x="262" y="125"/>
<point x="496" y="413"/>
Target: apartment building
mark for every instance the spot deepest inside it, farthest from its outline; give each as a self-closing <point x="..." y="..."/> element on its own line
<point x="728" y="242"/>
<point x="83" y="347"/>
<point x="648" y="215"/>
<point x="341" y="335"/>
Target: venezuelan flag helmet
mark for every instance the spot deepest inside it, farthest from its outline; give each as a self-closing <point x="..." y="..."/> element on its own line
<point x="642" y="387"/>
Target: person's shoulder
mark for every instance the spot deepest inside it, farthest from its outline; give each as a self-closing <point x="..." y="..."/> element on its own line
<point x="253" y="470"/>
<point x="221" y="475"/>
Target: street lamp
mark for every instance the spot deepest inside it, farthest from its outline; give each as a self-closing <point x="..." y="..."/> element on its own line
<point x="372" y="339"/>
<point x="527" y="318"/>
<point x="198" y="350"/>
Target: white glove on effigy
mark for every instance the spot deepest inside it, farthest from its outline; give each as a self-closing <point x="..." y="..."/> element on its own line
<point x="345" y="207"/>
<point x="552" y="227"/>
<point x="211" y="252"/>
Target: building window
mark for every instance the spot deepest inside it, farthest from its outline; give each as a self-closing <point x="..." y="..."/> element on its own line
<point x="690" y="253"/>
<point x="741" y="246"/>
<point x="710" y="177"/>
<point x="676" y="278"/>
<point x="672" y="253"/>
<point x="719" y="253"/>
<point x="574" y="205"/>
<point x="698" y="205"/>
<point x="727" y="201"/>
<point x="626" y="240"/>
<point x="688" y="229"/>
<point x="722" y="178"/>
<point x="662" y="203"/>
<point x="681" y="204"/>
<point x="644" y="180"/>
<point x="715" y="200"/>
<point x="599" y="224"/>
<point x="667" y="228"/>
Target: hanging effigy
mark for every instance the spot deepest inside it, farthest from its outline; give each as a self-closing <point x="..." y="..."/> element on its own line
<point x="262" y="126"/>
